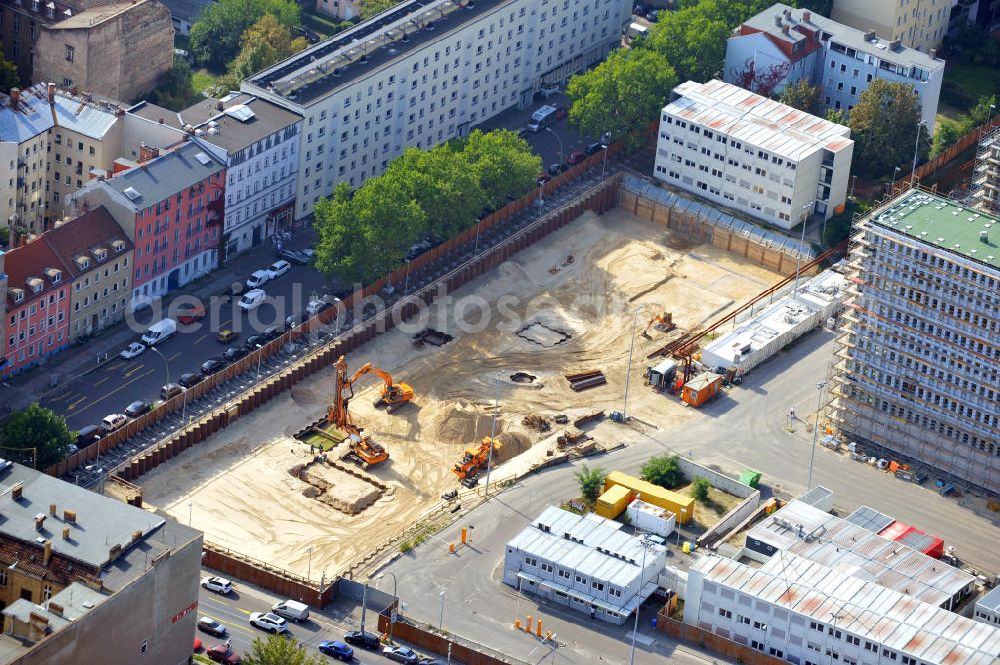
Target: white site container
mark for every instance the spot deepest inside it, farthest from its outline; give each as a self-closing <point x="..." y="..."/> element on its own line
<point x="650" y="518"/>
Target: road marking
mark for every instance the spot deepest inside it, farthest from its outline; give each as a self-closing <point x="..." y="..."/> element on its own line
<point x="97" y="383"/>
<point x="200" y="338"/>
<point x="61" y="396"/>
<point x="73" y="405"/>
<point x="173" y="356"/>
<point x="133" y="370"/>
<point x="229" y="628"/>
<point x="101" y="399"/>
<point x="114" y="366"/>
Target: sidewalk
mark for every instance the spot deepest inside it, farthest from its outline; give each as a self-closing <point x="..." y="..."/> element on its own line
<point x="19" y="391"/>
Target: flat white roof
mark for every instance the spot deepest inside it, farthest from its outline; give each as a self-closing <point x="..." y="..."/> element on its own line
<point x="873" y="612"/>
<point x="756" y="120"/>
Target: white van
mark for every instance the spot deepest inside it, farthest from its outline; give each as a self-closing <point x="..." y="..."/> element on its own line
<point x="252" y="299"/>
<point x="159" y="331"/>
<point x="291" y="609"/>
<point x="637" y="30"/>
<point x="542" y="118"/>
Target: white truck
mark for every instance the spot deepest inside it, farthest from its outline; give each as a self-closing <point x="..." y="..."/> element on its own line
<point x="159" y="331"/>
<point x="542" y="118"/>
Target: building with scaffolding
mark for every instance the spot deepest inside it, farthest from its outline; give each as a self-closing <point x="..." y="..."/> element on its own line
<point x="917" y="369"/>
<point x="986" y="175"/>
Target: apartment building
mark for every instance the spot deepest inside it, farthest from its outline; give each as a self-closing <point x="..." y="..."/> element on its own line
<point x="808" y="613"/>
<point x="424" y="72"/>
<point x="37" y="313"/>
<point x="986" y="175"/>
<point x="99" y="257"/>
<point x="917" y="373"/>
<point x="89" y="579"/>
<point x="24" y="125"/>
<point x="585" y="562"/>
<point x="170" y="207"/>
<point x="259" y="143"/>
<point x="752" y="154"/>
<point x="919" y="24"/>
<point x="342" y="10"/>
<point x="22" y="20"/>
<point x="839" y="59"/>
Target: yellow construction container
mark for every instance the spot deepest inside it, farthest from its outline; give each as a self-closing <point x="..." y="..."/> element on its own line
<point x="681" y="506"/>
<point x="613" y="502"/>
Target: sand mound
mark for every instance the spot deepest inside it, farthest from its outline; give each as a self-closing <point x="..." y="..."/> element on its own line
<point x="514" y="443"/>
<point x="463" y="422"/>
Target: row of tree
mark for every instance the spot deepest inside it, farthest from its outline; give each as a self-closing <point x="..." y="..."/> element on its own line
<point x="435" y="193"/>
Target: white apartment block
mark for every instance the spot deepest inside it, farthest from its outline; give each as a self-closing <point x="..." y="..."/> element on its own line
<point x="752" y="154"/>
<point x="841" y="60"/>
<point x="424" y="72"/>
<point x="585" y="562"/>
<point x="809" y="614"/>
<point x="917" y="371"/>
<point x="919" y="24"/>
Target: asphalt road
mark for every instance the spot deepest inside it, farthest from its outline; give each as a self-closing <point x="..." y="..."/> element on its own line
<point x="119" y="382"/>
<point x="746" y="427"/>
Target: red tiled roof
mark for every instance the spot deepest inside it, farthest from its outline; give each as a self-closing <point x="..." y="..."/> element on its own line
<point x="93" y="229"/>
<point x="30" y="557"/>
<point x="31" y="260"/>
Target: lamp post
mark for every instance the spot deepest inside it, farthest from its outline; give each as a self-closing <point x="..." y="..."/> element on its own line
<point x="493" y="433"/>
<point x="802" y="239"/>
<point x="190" y="511"/>
<point x="441" y="618"/>
<point x="549" y="130"/>
<point x="364" y="605"/>
<point x="166" y="364"/>
<point x="812" y="456"/>
<point x="628" y="370"/>
<point x="642" y="570"/>
<point x="517" y="608"/>
<point x="916" y="149"/>
<point x="892" y="185"/>
<point x="260" y="356"/>
<point x="604" y="164"/>
<point x="677" y="527"/>
<point x="394" y="600"/>
<point x="309" y="568"/>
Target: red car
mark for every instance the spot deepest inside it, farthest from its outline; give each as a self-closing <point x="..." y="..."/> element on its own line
<point x="561" y="112"/>
<point x="221" y="653"/>
<point x="575" y="157"/>
<point x="191" y="314"/>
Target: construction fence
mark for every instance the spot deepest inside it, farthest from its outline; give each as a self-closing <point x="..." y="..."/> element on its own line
<point x="450" y="647"/>
<point x="711" y="642"/>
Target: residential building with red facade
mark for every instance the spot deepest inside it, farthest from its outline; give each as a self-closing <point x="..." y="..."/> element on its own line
<point x="36" y="320"/>
<point x="170" y="207"/>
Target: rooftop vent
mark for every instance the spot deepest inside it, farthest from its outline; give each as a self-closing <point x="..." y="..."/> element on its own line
<point x="204" y="159"/>
<point x="65" y="533"/>
<point x="39" y="521"/>
<point x="984" y="236"/>
<point x="16" y="491"/>
<point x="69" y="516"/>
<point x="132" y="193"/>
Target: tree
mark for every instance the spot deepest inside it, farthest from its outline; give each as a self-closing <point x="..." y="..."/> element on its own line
<point x="279" y="650"/>
<point x="591" y="483"/>
<point x="37" y="435"/>
<point x="216" y="35"/>
<point x="947" y="134"/>
<point x="174" y="89"/>
<point x="9" y="77"/>
<point x="623" y="93"/>
<point x="884" y="126"/>
<point x="263" y="44"/>
<point x="692" y="42"/>
<point x="979" y="114"/>
<point x="699" y="489"/>
<point x="801" y="95"/>
<point x="503" y="162"/>
<point x="662" y="470"/>
<point x="764" y="80"/>
<point x="836" y="116"/>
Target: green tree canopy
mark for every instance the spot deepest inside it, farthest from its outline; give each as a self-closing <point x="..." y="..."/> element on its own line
<point x="174" y="89"/>
<point x="699" y="489"/>
<point x="279" y="650"/>
<point x="369" y="8"/>
<point x="591" y="483"/>
<point x="662" y="470"/>
<point x="623" y="93"/>
<point x="884" y="128"/>
<point x="804" y="97"/>
<point x="8" y="73"/>
<point x="946" y="135"/>
<point x="216" y="35"/>
<point x="979" y="114"/>
<point x="263" y="44"/>
<point x="692" y="41"/>
<point x="503" y="162"/>
<point x="36" y="432"/>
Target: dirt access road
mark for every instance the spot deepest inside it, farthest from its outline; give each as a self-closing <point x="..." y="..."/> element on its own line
<point x="540" y="313"/>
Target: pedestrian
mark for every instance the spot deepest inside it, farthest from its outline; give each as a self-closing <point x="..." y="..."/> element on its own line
<point x="593" y="612"/>
<point x="791" y="413"/>
<point x="229" y="643"/>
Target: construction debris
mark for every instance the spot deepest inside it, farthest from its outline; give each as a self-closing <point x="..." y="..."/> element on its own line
<point x="583" y="420"/>
<point x="561" y="419"/>
<point x="536" y="422"/>
<point x="585" y="380"/>
<point x="432" y="337"/>
<point x="570" y="438"/>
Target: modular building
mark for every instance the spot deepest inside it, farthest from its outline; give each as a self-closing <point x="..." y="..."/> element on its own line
<point x="915" y="538"/>
<point x="613" y="501"/>
<point x="988" y="608"/>
<point x="701" y="388"/>
<point x="649" y="518"/>
<point x="681" y="506"/>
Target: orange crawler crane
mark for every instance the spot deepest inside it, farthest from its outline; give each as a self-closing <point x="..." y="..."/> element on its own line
<point x="363" y="449"/>
<point x="476" y="458"/>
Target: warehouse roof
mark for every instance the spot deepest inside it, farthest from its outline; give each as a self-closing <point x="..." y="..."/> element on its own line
<point x="809" y="532"/>
<point x="756" y="120"/>
<point x="881" y="615"/>
<point x="870" y="519"/>
<point x="944" y="224"/>
<point x="990" y="601"/>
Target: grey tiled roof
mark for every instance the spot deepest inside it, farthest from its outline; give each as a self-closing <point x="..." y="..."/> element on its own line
<point x="166" y="175"/>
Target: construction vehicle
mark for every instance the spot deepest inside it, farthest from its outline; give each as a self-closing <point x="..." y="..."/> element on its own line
<point x="394" y="395"/>
<point x="364" y="450"/>
<point x="662" y="322"/>
<point x="475" y="460"/>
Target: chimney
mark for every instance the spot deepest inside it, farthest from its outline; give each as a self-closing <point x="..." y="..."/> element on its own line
<point x="88" y="96"/>
<point x="777" y="20"/>
<point x="136" y="536"/>
<point x="39" y="521"/>
<point x="52" y="93"/>
<point x="74" y="90"/>
<point x="784" y="29"/>
<point x="15" y="98"/>
<point x="52" y="509"/>
<point x="894" y="45"/>
<point x="161" y="121"/>
<point x="788" y="14"/>
<point x="870" y="35"/>
<point x="806" y="15"/>
<point x="218" y="106"/>
<point x="16" y="491"/>
<point x="69" y="516"/>
<point x="48" y="552"/>
<point x="147" y="153"/>
<point x="65" y="533"/>
<point x="55" y="608"/>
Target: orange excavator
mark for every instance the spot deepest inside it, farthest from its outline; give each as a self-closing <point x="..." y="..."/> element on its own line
<point x="476" y="459"/>
<point x="364" y="450"/>
<point x="662" y="322"/>
<point x="394" y="395"/>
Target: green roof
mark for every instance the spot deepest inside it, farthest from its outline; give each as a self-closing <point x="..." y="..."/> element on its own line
<point x="944" y="223"/>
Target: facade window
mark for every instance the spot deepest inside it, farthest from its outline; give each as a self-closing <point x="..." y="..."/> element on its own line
<point x="70" y="53"/>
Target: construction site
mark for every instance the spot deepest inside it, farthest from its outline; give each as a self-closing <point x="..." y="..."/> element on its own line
<point x="352" y="456"/>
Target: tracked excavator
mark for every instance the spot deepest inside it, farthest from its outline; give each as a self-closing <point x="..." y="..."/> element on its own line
<point x="475" y="460"/>
<point x="662" y="322"/>
<point x="394" y="395"/>
<point x="364" y="450"/>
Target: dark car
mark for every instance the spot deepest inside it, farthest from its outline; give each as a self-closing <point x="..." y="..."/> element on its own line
<point x="190" y="314"/>
<point x="271" y="332"/>
<point x="575" y="157"/>
<point x="137" y="408"/>
<point x="295" y="319"/>
<point x="170" y="390"/>
<point x="364" y="640"/>
<point x="543" y="178"/>
<point x="557" y="168"/>
<point x="653" y="15"/>
<point x="234" y="353"/>
<point x="189" y="379"/>
<point x="595" y="147"/>
<point x="252" y="341"/>
<point x="561" y="112"/>
<point x="211" y="626"/>
<point x="89" y="435"/>
<point x="221" y="653"/>
<point x="337" y="650"/>
<point x="294" y="256"/>
<point x="212" y="365"/>
<point x="639" y="9"/>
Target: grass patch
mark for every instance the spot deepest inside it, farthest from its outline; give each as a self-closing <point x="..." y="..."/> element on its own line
<point x="198" y="658"/>
<point x="324" y="442"/>
<point x="718" y="504"/>
<point x="423" y="533"/>
<point x="976" y="80"/>
<point x="202" y="79"/>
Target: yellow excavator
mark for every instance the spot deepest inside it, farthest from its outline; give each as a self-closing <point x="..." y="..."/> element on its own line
<point x="364" y="450"/>
<point x="475" y="460"/>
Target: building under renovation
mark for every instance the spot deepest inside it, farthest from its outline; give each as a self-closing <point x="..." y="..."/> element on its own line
<point x="986" y="176"/>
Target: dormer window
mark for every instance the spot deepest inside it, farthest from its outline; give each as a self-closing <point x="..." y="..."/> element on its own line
<point x="17" y="294"/>
<point x="50" y="9"/>
<point x="101" y="254"/>
<point x="34" y="5"/>
<point x="53" y="274"/>
<point x="119" y="246"/>
<point x="35" y="284"/>
<point x="83" y="262"/>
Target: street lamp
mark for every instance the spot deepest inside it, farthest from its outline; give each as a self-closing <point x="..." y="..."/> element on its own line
<point x="166" y="364"/>
<point x="493" y="433"/>
<point x="441" y="618"/>
<point x="549" y="130"/>
<point x="812" y="456"/>
<point x="892" y="185"/>
<point x="517" y="608"/>
<point x="394" y="599"/>
<point x="604" y="164"/>
<point x="677" y="527"/>
<point x="364" y="605"/>
<point x="802" y="239"/>
<point x="260" y="356"/>
<point x="642" y="571"/>
<point x="309" y="570"/>
<point x="190" y="511"/>
<point x="628" y="370"/>
<point x="916" y="149"/>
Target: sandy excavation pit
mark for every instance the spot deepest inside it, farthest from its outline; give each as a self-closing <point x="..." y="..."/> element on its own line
<point x="238" y="485"/>
<point x="337" y="487"/>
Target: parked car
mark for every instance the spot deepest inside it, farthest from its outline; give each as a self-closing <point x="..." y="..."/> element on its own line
<point x="271" y="332"/>
<point x="137" y="408"/>
<point x="113" y="421"/>
<point x="295" y="256"/>
<point x="212" y="365"/>
<point x="401" y="654"/>
<point x="234" y="353"/>
<point x="190" y="314"/>
<point x="252" y="342"/>
<point x="217" y="584"/>
<point x="316" y="306"/>
<point x="561" y="112"/>
<point x="292" y="610"/>
<point x="278" y="268"/>
<point x="170" y="390"/>
<point x="257" y="279"/>
<point x="419" y="248"/>
<point x="132" y="350"/>
<point x="337" y="650"/>
<point x="226" y="336"/>
<point x="594" y="147"/>
<point x="221" y="653"/>
<point x="576" y="157"/>
<point x="89" y="435"/>
<point x="653" y="15"/>
<point x="365" y="640"/>
<point x="308" y="252"/>
<point x="269" y="622"/>
<point x="252" y="299"/>
<point x="294" y="319"/>
<point x="557" y="168"/>
<point x="211" y="626"/>
<point x="189" y="379"/>
<point x="543" y="178"/>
